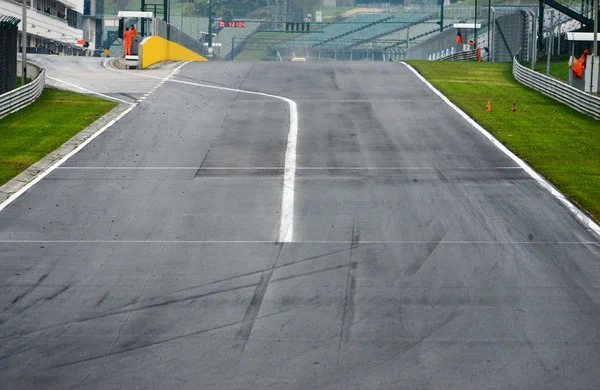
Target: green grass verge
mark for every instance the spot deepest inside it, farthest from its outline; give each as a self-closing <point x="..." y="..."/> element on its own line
<point x="31" y="133"/>
<point x="559" y="142"/>
<point x="559" y="67"/>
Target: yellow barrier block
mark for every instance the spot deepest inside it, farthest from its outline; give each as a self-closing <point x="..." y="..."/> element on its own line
<point x="157" y="49"/>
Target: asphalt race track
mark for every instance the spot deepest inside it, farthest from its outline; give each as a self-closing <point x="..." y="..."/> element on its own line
<point x="421" y="255"/>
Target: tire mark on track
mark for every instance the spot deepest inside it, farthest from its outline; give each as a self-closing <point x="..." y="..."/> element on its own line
<point x="21" y="296"/>
<point x="421" y="258"/>
<point x="251" y="314"/>
<point x="348" y="314"/>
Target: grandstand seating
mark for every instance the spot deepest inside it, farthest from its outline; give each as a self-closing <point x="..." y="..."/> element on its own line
<point x="400" y="22"/>
<point x="340" y="29"/>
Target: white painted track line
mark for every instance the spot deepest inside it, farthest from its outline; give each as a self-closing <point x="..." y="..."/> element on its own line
<point x="303" y="168"/>
<point x="286" y="227"/>
<point x="89" y="91"/>
<point x="582" y="216"/>
<point x="57" y="164"/>
<point x="418" y="242"/>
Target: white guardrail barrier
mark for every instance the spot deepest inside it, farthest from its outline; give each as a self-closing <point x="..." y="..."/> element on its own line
<point x="13" y="101"/>
<point x="564" y="93"/>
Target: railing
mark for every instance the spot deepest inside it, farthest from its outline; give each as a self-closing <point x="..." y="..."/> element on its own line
<point x="13" y="101"/>
<point x="564" y="93"/>
<point x="469" y="55"/>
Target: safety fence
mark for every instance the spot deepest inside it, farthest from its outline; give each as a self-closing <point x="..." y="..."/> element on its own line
<point x="557" y="90"/>
<point x="393" y="54"/>
<point x="8" y="52"/>
<point x="21" y="97"/>
<point x="469" y="55"/>
<point x="167" y="31"/>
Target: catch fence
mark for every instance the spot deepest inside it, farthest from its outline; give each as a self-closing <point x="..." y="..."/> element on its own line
<point x="8" y="52"/>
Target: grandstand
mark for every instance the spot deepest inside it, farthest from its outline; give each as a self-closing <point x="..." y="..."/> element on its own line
<point x="397" y="23"/>
<point x="341" y="29"/>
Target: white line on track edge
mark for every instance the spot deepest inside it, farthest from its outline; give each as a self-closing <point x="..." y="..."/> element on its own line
<point x="587" y="221"/>
<point x="286" y="226"/>
<point x="89" y="91"/>
<point x="39" y="177"/>
<point x="45" y="173"/>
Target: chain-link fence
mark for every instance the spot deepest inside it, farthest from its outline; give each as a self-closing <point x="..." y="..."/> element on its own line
<point x="167" y="31"/>
<point x="8" y="52"/>
<point x="512" y="34"/>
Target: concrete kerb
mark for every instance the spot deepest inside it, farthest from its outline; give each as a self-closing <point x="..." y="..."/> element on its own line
<point x="582" y="215"/>
<point x="21" y="180"/>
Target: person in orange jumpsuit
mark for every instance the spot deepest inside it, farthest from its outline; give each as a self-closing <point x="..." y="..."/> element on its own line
<point x="459" y="40"/>
<point x="127" y="41"/>
<point x="134" y="31"/>
<point x="579" y="65"/>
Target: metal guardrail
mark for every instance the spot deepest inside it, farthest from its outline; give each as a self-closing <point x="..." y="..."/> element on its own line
<point x="469" y="55"/>
<point x="564" y="93"/>
<point x="13" y="101"/>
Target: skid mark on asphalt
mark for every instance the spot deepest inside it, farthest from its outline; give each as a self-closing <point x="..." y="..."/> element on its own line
<point x="430" y="247"/>
<point x="253" y="309"/>
<point x="348" y="313"/>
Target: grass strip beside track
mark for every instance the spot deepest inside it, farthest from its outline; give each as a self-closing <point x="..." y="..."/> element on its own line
<point x="33" y="132"/>
<point x="559" y="142"/>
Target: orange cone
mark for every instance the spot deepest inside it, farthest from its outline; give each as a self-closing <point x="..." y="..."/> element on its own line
<point x="489" y="106"/>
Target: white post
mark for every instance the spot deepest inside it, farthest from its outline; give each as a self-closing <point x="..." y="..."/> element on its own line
<point x="594" y="64"/>
<point x="24" y="45"/>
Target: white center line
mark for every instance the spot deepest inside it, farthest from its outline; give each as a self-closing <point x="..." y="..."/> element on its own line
<point x="286" y="226"/>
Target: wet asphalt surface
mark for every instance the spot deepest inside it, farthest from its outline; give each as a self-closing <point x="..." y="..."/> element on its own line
<point x="423" y="257"/>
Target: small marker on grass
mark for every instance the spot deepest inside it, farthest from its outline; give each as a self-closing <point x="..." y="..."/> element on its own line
<point x="489" y="106"/>
<point x="514" y="107"/>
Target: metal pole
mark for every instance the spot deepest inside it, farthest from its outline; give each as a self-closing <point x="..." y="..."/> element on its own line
<point x="24" y="45"/>
<point x="489" y="28"/>
<point x="475" y="24"/>
<point x="549" y="45"/>
<point x="441" y="15"/>
<point x="595" y="52"/>
<point x="232" y="47"/>
<point x="210" y="28"/>
<point x="494" y="36"/>
<point x="594" y="65"/>
<point x="533" y="41"/>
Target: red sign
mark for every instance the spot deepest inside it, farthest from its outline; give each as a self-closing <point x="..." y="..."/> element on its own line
<point x="224" y="23"/>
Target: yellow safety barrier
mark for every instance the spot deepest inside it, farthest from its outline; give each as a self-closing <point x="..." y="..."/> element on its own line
<point x="157" y="49"/>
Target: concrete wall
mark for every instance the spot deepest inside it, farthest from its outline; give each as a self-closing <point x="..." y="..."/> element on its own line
<point x="156" y="49"/>
<point x="32" y="70"/>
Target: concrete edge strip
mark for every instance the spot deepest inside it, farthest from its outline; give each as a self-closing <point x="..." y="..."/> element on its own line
<point x="17" y="186"/>
<point x="23" y="186"/>
<point x="582" y="216"/>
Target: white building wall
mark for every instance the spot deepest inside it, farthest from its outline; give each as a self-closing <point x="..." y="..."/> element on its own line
<point x="41" y="24"/>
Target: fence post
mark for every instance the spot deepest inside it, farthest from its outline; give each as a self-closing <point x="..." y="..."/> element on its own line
<point x="549" y="44"/>
<point x="232" y="47"/>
